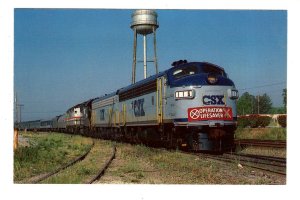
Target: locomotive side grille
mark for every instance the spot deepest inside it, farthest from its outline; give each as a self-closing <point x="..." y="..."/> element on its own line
<point x="138" y="91"/>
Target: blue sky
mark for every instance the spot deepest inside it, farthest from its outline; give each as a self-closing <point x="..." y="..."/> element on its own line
<point x="63" y="57"/>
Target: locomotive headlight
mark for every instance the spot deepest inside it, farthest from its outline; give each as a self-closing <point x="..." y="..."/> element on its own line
<point x="233" y="94"/>
<point x="212" y="78"/>
<point x="186" y="94"/>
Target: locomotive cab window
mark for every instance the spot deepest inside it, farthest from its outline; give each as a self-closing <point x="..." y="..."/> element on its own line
<point x="213" y="70"/>
<point x="186" y="71"/>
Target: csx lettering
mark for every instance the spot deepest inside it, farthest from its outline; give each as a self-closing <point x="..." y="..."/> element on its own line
<point x="213" y="100"/>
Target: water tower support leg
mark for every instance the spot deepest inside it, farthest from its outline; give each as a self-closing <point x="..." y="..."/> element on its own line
<point x="145" y="56"/>
<point x="134" y="57"/>
<point x="155" y="58"/>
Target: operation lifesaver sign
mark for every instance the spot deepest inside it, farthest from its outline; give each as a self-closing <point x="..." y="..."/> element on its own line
<point x="210" y="113"/>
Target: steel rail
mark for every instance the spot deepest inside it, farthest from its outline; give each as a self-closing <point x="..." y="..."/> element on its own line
<point x="257" y="159"/>
<point x="262" y="143"/>
<point x="270" y="158"/>
<point x="106" y="165"/>
<point x="222" y="158"/>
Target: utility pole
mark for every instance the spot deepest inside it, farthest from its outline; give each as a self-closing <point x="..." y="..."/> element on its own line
<point x="16" y="108"/>
<point x="20" y="107"/>
<point x="258" y="104"/>
<point x="252" y="104"/>
<point x="18" y="111"/>
<point x="16" y="125"/>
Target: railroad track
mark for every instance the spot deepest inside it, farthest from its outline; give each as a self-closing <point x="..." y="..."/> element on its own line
<point x="271" y="164"/>
<point x="106" y="165"/>
<point x="41" y="177"/>
<point x="261" y="143"/>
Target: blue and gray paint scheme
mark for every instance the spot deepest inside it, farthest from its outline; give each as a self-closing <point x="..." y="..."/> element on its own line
<point x="138" y="104"/>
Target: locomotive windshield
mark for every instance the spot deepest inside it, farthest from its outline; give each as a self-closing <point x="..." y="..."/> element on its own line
<point x="196" y="69"/>
<point x="189" y="70"/>
<point x="212" y="69"/>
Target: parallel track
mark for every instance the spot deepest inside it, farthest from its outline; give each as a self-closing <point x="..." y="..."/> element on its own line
<point x="261" y="143"/>
<point x="266" y="163"/>
<point x="42" y="177"/>
<point x="45" y="176"/>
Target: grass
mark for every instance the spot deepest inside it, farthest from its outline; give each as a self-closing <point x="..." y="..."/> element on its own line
<point x="133" y="164"/>
<point x="145" y="165"/>
<point x="265" y="151"/>
<point x="85" y="170"/>
<point x="46" y="152"/>
<point x="261" y="133"/>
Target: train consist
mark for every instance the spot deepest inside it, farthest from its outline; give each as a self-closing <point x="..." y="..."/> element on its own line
<point x="192" y="106"/>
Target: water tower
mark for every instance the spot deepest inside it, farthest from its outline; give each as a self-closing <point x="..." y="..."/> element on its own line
<point x="144" y="22"/>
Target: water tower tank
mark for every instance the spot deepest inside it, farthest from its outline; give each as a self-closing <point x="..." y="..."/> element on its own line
<point x="144" y="21"/>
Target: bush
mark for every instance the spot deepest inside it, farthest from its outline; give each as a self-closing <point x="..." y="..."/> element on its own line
<point x="253" y="121"/>
<point x="264" y="121"/>
<point x="243" y="121"/>
<point x="282" y="120"/>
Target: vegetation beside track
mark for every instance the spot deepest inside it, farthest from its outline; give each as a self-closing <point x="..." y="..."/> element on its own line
<point x="85" y="170"/>
<point x="265" y="151"/>
<point x="133" y="164"/>
<point x="145" y="165"/>
<point x="274" y="133"/>
<point x="277" y="133"/>
<point x="45" y="152"/>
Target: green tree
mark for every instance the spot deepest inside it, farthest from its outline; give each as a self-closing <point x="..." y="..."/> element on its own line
<point x="263" y="104"/>
<point x="245" y="104"/>
<point x="277" y="110"/>
<point x="284" y="95"/>
<point x="250" y="104"/>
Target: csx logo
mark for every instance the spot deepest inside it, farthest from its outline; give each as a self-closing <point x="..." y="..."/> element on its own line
<point x="213" y="100"/>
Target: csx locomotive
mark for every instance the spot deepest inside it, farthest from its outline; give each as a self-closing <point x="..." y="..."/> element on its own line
<point x="192" y="105"/>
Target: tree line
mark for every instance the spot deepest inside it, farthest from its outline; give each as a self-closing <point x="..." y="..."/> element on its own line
<point x="260" y="104"/>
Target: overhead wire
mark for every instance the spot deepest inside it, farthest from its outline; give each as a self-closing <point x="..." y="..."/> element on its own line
<point x="266" y="85"/>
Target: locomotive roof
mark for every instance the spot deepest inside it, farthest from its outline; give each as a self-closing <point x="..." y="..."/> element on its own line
<point x="142" y="82"/>
<point x="152" y="78"/>
<point x="135" y="85"/>
<point x="196" y="63"/>
<point x="46" y="120"/>
<point x="199" y="76"/>
<point x="105" y="96"/>
<point x="30" y="121"/>
<point x="86" y="103"/>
